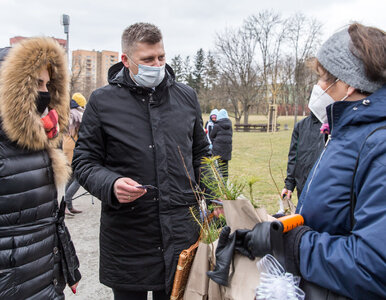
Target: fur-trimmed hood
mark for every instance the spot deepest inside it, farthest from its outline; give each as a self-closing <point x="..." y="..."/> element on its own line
<point x="19" y="90"/>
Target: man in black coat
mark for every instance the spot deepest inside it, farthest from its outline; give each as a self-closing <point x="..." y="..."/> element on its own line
<point x="130" y="155"/>
<point x="221" y="137"/>
<point x="306" y="145"/>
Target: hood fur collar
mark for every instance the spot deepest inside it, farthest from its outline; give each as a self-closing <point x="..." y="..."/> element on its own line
<point x="19" y="89"/>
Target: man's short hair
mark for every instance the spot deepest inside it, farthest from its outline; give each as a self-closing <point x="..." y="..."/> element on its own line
<point x="140" y="33"/>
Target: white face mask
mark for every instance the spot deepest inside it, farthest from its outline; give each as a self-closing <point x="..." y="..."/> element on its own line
<point x="148" y="76"/>
<point x="319" y="100"/>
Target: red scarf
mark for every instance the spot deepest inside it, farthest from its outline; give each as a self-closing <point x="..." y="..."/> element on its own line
<point x="50" y="123"/>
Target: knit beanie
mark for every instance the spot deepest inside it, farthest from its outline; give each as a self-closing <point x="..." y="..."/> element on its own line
<point x="336" y="56"/>
<point x="79" y="99"/>
<point x="222" y="114"/>
<point x="214" y="112"/>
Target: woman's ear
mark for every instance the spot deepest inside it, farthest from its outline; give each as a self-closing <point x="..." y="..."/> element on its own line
<point x="350" y="91"/>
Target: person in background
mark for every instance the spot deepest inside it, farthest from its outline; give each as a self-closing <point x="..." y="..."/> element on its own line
<point x="307" y="142"/>
<point x="221" y="137"/>
<point x="209" y="125"/>
<point x="77" y="105"/>
<point x="130" y="154"/>
<point x="3" y="53"/>
<point x="341" y="250"/>
<point x="37" y="256"/>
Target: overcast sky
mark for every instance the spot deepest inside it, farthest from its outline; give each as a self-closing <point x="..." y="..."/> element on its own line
<point x="186" y="25"/>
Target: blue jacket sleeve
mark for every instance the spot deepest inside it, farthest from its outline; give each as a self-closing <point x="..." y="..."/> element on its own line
<point x="355" y="265"/>
<point x="88" y="161"/>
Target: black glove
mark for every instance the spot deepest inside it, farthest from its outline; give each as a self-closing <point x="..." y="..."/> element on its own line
<point x="224" y="254"/>
<point x="226" y="246"/>
<point x="264" y="239"/>
<point x="258" y="240"/>
<point x="240" y="243"/>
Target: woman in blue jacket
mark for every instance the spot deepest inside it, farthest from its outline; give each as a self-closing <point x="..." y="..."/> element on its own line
<point x="342" y="248"/>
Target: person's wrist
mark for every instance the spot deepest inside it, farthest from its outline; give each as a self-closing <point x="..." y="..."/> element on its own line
<point x="292" y="240"/>
<point x="77" y="278"/>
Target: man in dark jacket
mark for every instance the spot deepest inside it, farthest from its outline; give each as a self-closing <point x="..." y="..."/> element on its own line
<point x="306" y="145"/>
<point x="130" y="155"/>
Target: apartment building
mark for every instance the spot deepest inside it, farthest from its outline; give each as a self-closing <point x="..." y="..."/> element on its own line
<point x="89" y="69"/>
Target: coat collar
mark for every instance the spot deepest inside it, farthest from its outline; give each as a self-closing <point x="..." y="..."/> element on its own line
<point x="367" y="110"/>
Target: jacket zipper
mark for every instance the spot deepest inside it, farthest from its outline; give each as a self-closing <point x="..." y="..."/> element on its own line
<point x="320" y="157"/>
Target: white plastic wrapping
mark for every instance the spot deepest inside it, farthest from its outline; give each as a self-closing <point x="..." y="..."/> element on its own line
<point x="275" y="283"/>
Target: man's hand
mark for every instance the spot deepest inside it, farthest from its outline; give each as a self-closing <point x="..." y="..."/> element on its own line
<point x="286" y="193"/>
<point x="126" y="191"/>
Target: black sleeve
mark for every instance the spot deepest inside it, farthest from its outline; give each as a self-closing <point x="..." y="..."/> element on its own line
<point x="200" y="144"/>
<point x="77" y="278"/>
<point x="291" y="241"/>
<point x="89" y="153"/>
<point x="290" y="182"/>
<point x="69" y="259"/>
<point x="213" y="132"/>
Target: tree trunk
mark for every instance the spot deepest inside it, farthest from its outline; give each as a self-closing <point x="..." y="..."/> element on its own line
<point x="246" y="113"/>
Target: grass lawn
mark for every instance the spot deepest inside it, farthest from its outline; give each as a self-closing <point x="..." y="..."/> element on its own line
<point x="251" y="155"/>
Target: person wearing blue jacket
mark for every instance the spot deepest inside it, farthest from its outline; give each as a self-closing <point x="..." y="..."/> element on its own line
<point x="341" y="251"/>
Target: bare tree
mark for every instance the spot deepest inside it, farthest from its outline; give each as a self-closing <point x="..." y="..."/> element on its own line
<point x="239" y="77"/>
<point x="303" y="35"/>
<point x="75" y="78"/>
<point x="269" y="30"/>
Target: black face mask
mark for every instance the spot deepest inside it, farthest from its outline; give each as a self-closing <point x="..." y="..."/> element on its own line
<point x="42" y="101"/>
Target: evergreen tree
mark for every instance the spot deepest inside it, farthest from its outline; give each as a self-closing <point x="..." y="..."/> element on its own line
<point x="198" y="72"/>
<point x="187" y="72"/>
<point x="177" y="66"/>
<point x="211" y="72"/>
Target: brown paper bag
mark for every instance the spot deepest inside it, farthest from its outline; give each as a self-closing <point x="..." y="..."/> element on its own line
<point x="215" y="291"/>
<point x="240" y="214"/>
<point x="198" y="282"/>
<point x="244" y="276"/>
<point x="184" y="265"/>
<point x="263" y="215"/>
<point x="243" y="279"/>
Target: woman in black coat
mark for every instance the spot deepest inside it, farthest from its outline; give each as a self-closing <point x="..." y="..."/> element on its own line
<point x="37" y="257"/>
<point x="221" y="137"/>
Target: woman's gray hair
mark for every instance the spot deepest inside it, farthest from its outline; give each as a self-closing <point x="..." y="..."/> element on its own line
<point x="140" y="33"/>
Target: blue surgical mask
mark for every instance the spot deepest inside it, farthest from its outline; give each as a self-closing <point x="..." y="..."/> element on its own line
<point x="148" y="76"/>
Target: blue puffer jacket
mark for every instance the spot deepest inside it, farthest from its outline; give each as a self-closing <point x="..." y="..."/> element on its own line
<point x="350" y="262"/>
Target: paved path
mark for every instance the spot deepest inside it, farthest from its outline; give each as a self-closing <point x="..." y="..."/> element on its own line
<point x="84" y="230"/>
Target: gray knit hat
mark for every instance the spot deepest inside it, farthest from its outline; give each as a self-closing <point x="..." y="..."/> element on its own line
<point x="337" y="58"/>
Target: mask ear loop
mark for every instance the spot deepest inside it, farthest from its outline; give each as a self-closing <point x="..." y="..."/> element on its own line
<point x="331" y="85"/>
<point x="131" y="60"/>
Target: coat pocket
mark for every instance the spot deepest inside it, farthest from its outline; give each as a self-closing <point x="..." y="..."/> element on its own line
<point x="183" y="199"/>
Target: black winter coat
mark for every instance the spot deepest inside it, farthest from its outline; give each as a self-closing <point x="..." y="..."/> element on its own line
<point x="221" y="137"/>
<point x="37" y="257"/>
<point x="32" y="262"/>
<point x="306" y="145"/>
<point x="130" y="131"/>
